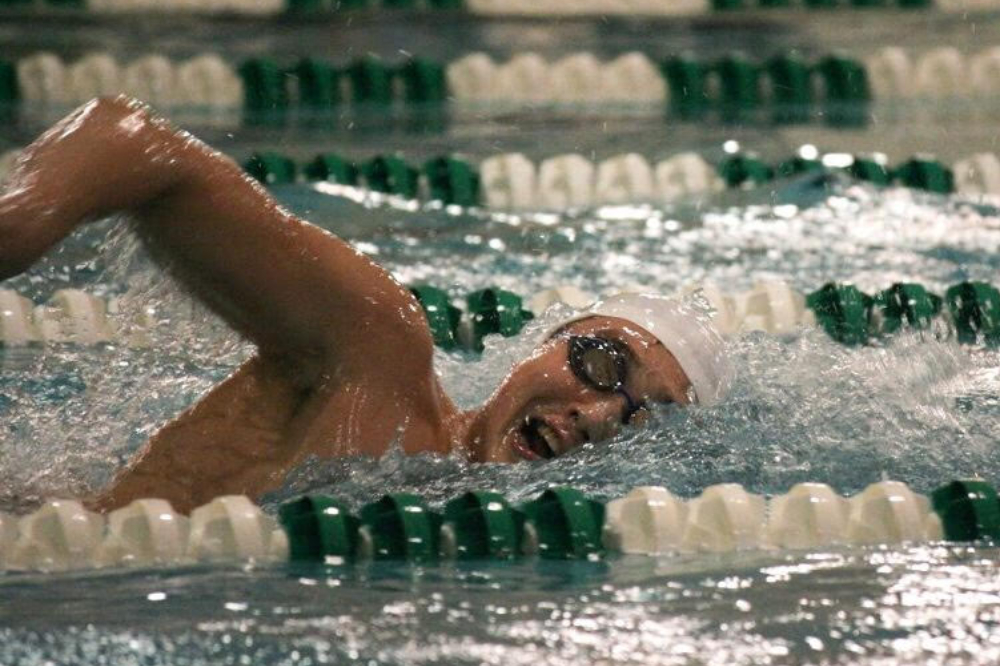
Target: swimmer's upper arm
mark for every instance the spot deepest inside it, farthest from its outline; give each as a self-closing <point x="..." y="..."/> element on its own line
<point x="289" y="286"/>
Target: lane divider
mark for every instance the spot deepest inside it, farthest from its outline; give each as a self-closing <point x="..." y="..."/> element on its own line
<point x="513" y="182"/>
<point x="486" y="7"/>
<point x="71" y="316"/>
<point x="787" y="88"/>
<point x="968" y="312"/>
<point x="560" y="523"/>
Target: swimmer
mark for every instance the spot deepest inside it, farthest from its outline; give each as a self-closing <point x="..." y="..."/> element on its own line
<point x="343" y="362"/>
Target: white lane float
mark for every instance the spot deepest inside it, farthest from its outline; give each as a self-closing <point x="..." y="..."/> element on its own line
<point x="566" y="181"/>
<point x="130" y="325"/>
<point x="42" y="79"/>
<point x="624" y="179"/>
<point x="810" y="515"/>
<point x="61" y="535"/>
<point x="146" y="532"/>
<point x="17" y="326"/>
<point x="233" y="528"/>
<point x="942" y="73"/>
<point x="889" y="512"/>
<point x="890" y="73"/>
<point x="8" y="535"/>
<point x="94" y="75"/>
<point x="725" y="315"/>
<point x="774" y="307"/>
<point x="649" y="520"/>
<point x="525" y="78"/>
<point x="576" y="78"/>
<point x="984" y="72"/>
<point x="152" y="79"/>
<point x="472" y="78"/>
<point x="724" y="518"/>
<point x="73" y="316"/>
<point x="574" y="297"/>
<point x="686" y="174"/>
<point x="589" y="7"/>
<point x="632" y="78"/>
<point x="978" y="174"/>
<point x="7" y="161"/>
<point x="207" y="81"/>
<point x="965" y="5"/>
<point x="508" y="181"/>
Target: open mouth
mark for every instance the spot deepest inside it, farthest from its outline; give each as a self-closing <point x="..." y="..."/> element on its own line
<point x="541" y="441"/>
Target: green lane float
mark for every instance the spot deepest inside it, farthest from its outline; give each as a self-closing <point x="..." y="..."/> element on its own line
<point x="791" y="88"/>
<point x="371" y="82"/>
<point x="494" y="310"/>
<point x="740" y="87"/>
<point x="685" y="78"/>
<point x="846" y="88"/>
<point x="745" y="171"/>
<point x="481" y="525"/>
<point x="318" y="84"/>
<point x="271" y="168"/>
<point x="969" y="510"/>
<point x="975" y="311"/>
<point x="319" y="529"/>
<point x="423" y="82"/>
<point x="909" y="304"/>
<point x="390" y="174"/>
<point x="926" y="174"/>
<point x="443" y="318"/>
<point x="10" y="92"/>
<point x="399" y="527"/>
<point x="265" y="90"/>
<point x="797" y="165"/>
<point x="452" y="181"/>
<point x="870" y="170"/>
<point x="331" y="168"/>
<point x="843" y="311"/>
<point x="564" y="524"/>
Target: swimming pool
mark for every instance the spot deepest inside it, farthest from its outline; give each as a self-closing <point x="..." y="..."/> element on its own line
<point x="804" y="407"/>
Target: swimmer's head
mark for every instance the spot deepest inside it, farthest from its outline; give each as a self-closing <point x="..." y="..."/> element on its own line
<point x="599" y="371"/>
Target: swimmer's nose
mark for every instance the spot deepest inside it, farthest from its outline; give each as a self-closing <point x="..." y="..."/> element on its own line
<point x="600" y="419"/>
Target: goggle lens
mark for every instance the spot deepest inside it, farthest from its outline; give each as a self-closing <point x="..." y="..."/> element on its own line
<point x="599" y="363"/>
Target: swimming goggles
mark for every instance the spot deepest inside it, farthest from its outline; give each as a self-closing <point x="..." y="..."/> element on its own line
<point x="602" y="365"/>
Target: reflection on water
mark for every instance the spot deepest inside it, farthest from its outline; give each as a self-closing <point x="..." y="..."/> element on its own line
<point x="907" y="605"/>
<point x="803" y="408"/>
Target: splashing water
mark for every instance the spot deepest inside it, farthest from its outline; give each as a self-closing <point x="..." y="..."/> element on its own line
<point x="802" y="408"/>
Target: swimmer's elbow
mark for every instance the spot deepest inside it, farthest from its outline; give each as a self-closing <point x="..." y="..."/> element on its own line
<point x="117" y="105"/>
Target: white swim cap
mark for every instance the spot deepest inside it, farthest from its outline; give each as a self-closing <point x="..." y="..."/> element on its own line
<point x="686" y="332"/>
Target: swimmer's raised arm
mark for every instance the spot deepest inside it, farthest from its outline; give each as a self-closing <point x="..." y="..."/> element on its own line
<point x="295" y="290"/>
<point x="345" y="363"/>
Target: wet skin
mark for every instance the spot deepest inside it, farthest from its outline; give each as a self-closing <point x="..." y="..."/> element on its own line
<point x="344" y="354"/>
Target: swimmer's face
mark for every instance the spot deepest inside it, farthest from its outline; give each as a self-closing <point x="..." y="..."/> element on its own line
<point x="543" y="409"/>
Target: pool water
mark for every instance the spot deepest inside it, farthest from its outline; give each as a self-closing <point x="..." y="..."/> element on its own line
<point x="803" y="408"/>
